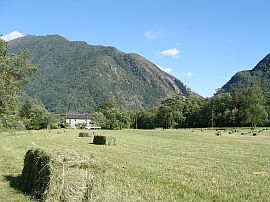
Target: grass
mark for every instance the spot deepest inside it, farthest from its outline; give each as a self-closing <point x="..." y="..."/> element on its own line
<point x="156" y="165"/>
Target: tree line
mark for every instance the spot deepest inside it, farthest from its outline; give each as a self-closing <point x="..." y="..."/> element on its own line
<point x="246" y="107"/>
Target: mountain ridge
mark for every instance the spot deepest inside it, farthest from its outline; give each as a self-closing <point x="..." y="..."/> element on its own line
<point x="259" y="75"/>
<point x="74" y="76"/>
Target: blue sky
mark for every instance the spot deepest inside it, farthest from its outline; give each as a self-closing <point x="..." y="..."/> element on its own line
<point x="202" y="42"/>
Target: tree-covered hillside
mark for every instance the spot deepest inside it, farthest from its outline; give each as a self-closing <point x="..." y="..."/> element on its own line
<point x="259" y="75"/>
<point x="77" y="77"/>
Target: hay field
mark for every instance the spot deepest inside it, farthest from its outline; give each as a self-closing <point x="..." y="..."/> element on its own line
<point x="155" y="165"/>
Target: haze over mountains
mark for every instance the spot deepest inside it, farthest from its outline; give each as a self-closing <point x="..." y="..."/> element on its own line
<point x="77" y="77"/>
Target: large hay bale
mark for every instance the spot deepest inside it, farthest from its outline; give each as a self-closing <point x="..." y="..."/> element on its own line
<point x="60" y="176"/>
<point x="84" y="134"/>
<point x="104" y="140"/>
<point x="36" y="173"/>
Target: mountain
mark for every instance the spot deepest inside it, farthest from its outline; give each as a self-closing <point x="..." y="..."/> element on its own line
<point x="74" y="76"/>
<point x="259" y="75"/>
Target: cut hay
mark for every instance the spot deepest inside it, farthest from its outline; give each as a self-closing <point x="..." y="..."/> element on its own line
<point x="104" y="140"/>
<point x="61" y="176"/>
<point x="85" y="134"/>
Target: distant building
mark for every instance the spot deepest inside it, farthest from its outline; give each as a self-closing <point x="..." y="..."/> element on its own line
<point x="74" y="119"/>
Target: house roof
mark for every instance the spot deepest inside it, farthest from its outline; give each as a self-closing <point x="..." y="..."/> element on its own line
<point x="77" y="116"/>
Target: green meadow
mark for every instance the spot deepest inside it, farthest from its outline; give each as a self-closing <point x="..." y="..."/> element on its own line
<point x="155" y="165"/>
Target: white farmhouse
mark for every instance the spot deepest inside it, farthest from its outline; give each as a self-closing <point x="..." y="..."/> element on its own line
<point x="74" y="119"/>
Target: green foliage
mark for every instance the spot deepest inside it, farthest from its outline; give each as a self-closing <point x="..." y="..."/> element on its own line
<point x="36" y="117"/>
<point x="253" y="107"/>
<point x="110" y="116"/>
<point x="80" y="125"/>
<point x="170" y="113"/>
<point x="146" y="119"/>
<point x="244" y="108"/>
<point x="14" y="71"/>
<point x="100" y="120"/>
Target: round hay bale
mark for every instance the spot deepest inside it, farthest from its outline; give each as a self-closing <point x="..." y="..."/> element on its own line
<point x="36" y="173"/>
<point x="84" y="134"/>
<point x="61" y="176"/>
<point x="218" y="133"/>
<point x="104" y="140"/>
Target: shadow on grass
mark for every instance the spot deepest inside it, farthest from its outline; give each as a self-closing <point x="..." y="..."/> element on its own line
<point x="15" y="182"/>
<point x="95" y="144"/>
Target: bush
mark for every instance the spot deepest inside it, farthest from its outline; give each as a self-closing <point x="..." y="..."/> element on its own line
<point x="104" y="140"/>
<point x="80" y="125"/>
<point x="54" y="126"/>
<point x="61" y="176"/>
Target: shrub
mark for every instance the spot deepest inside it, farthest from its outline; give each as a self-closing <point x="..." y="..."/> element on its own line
<point x="80" y="125"/>
<point x="104" y="140"/>
<point x="61" y="176"/>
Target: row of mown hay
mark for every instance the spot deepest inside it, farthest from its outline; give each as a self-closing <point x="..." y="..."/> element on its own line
<point x="104" y="140"/>
<point x="61" y="176"/>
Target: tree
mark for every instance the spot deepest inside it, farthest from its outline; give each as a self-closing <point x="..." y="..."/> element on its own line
<point x="192" y="106"/>
<point x="36" y="117"/>
<point x="146" y="119"/>
<point x="253" y="106"/>
<point x="26" y="108"/>
<point x="223" y="109"/>
<point x="170" y="113"/>
<point x="110" y="116"/>
<point x="100" y="119"/>
<point x="14" y="70"/>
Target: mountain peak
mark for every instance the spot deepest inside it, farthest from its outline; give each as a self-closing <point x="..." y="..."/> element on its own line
<point x="77" y="77"/>
<point x="259" y="75"/>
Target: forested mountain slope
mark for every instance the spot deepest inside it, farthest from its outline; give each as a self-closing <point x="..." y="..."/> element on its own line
<point x="259" y="75"/>
<point x="74" y="76"/>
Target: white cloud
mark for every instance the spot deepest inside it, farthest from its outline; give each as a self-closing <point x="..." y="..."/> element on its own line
<point x="11" y="36"/>
<point x="151" y="35"/>
<point x="171" y="52"/>
<point x="189" y="74"/>
<point x="165" y="69"/>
